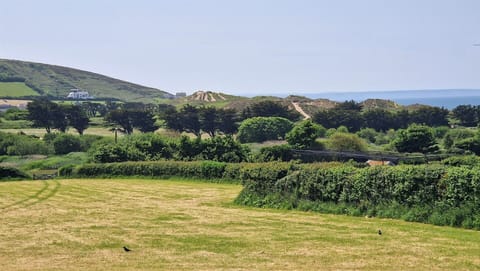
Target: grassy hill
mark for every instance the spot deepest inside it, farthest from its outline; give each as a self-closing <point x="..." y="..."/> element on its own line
<point x="43" y="79"/>
<point x="16" y="89"/>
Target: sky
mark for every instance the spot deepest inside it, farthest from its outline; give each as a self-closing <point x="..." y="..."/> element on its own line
<point x="253" y="47"/>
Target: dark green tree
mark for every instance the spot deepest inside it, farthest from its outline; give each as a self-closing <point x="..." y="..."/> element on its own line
<point x="228" y="119"/>
<point x="209" y="120"/>
<point x="349" y="106"/>
<point x="190" y="119"/>
<point x="77" y="118"/>
<point x="430" y="116"/>
<point x="133" y="118"/>
<point x="121" y="118"/>
<point x="270" y="108"/>
<point x="379" y="119"/>
<point x="143" y="120"/>
<point x="334" y="118"/>
<point x="47" y="114"/>
<point x="467" y="115"/>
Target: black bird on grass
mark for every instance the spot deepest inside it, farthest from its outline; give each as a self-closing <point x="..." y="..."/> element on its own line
<point x="126" y="249"/>
<point x="379" y="232"/>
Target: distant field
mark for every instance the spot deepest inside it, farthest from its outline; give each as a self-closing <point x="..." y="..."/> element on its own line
<point x="181" y="225"/>
<point x="16" y="89"/>
<point x="41" y="131"/>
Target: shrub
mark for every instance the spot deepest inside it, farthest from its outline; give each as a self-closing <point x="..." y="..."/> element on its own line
<point x="116" y="153"/>
<point x="303" y="135"/>
<point x="7" y="173"/>
<point x="346" y="142"/>
<point x="416" y="138"/>
<point x="21" y="144"/>
<point x="469" y="144"/>
<point x="224" y="149"/>
<point x="275" y="153"/>
<point x="24" y="145"/>
<point x="368" y="134"/>
<point x="65" y="143"/>
<point x="259" y="129"/>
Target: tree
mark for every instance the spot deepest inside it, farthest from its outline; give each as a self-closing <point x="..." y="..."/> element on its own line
<point x="260" y="129"/>
<point x="66" y="143"/>
<point x="190" y="119"/>
<point x="133" y="118"/>
<point x="46" y="114"/>
<point x="270" y="108"/>
<point x="120" y="117"/>
<point x="349" y="106"/>
<point x="416" y="138"/>
<point x="467" y="115"/>
<point x="430" y="116"/>
<point x="303" y="135"/>
<point x="334" y="118"/>
<point x="92" y="109"/>
<point x="77" y="118"/>
<point x="172" y="119"/>
<point x="402" y="119"/>
<point x="209" y="121"/>
<point x="227" y="121"/>
<point x="143" y="120"/>
<point x="379" y="119"/>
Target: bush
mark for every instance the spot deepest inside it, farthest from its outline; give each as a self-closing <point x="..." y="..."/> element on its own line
<point x="21" y="144"/>
<point x="368" y="134"/>
<point x="416" y="138"/>
<point x="224" y="149"/>
<point x="259" y="129"/>
<point x="346" y="142"/>
<point x="24" y="145"/>
<point x="471" y="145"/>
<point x="65" y="143"/>
<point x="303" y="135"/>
<point x="9" y="173"/>
<point x="117" y="153"/>
<point x="275" y="153"/>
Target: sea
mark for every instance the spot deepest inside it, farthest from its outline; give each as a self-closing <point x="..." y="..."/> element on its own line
<point x="447" y="98"/>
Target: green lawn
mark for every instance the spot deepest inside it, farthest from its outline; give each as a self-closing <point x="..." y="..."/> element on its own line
<point x="16" y="89"/>
<point x="181" y="225"/>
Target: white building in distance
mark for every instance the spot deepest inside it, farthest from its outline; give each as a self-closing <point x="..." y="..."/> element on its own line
<point x="79" y="94"/>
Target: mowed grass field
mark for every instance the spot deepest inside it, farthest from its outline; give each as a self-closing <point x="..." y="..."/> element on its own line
<point x="186" y="225"/>
<point x="16" y="89"/>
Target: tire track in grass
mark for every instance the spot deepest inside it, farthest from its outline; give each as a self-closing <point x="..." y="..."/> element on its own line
<point x="46" y="192"/>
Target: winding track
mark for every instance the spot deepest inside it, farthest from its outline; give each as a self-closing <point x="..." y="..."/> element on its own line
<point x="300" y="110"/>
<point x="48" y="190"/>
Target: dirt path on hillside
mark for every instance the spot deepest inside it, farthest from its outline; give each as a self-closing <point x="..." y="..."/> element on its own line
<point x="300" y="110"/>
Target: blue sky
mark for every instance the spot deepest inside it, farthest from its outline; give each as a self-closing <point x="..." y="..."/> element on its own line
<point x="254" y="47"/>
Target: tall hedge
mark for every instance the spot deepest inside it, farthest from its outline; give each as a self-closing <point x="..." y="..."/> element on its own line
<point x="432" y="194"/>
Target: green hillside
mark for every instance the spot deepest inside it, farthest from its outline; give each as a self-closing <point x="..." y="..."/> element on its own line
<point x="57" y="81"/>
<point x="16" y="89"/>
